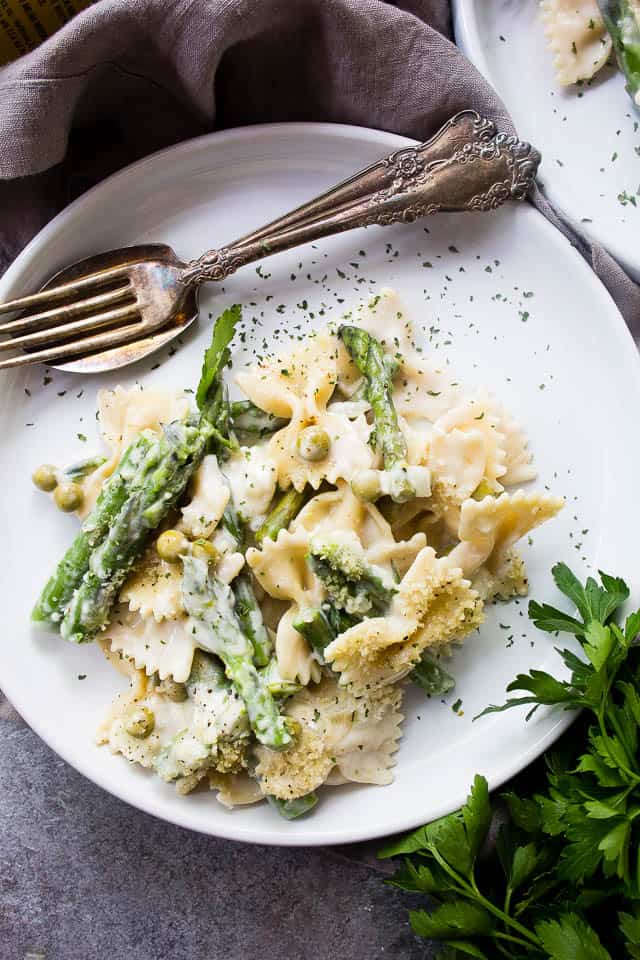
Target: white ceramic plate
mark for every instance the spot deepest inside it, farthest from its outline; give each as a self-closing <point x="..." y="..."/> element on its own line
<point x="507" y="299"/>
<point x="589" y="136"/>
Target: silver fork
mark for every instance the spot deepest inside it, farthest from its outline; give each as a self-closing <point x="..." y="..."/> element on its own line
<point x="113" y="308"/>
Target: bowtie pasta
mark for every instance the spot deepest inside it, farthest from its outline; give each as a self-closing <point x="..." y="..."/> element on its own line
<point x="582" y="35"/>
<point x="342" y="526"/>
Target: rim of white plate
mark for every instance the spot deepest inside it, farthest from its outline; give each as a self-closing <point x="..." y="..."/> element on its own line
<point x="467" y="35"/>
<point x="9" y="286"/>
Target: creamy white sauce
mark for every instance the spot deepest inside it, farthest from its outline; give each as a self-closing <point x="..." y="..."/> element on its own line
<point x="252" y="476"/>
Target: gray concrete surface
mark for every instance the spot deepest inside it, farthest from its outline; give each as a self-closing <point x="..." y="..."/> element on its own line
<point x="84" y="876"/>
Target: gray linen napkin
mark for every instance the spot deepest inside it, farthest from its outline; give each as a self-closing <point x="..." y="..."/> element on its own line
<point x="127" y="77"/>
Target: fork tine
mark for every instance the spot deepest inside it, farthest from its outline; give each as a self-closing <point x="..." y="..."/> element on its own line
<point x="101" y="341"/>
<point x="58" y="315"/>
<point x="53" y="294"/>
<point x="57" y="335"/>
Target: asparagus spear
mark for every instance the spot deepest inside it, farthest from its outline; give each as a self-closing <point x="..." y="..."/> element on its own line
<point x="352" y="583"/>
<point x="75" y="563"/>
<point x="291" y="809"/>
<point x="321" y="625"/>
<point x="431" y="677"/>
<point x="621" y="18"/>
<point x="275" y="683"/>
<point x="250" y="618"/>
<point x="369" y="357"/>
<point x="215" y="626"/>
<point x="250" y="420"/>
<point x="247" y="608"/>
<point x="154" y="490"/>
<point x="285" y="510"/>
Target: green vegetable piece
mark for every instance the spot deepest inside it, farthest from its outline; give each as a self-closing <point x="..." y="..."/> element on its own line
<point x="292" y="809"/>
<point x="171" y="545"/>
<point x="233" y="525"/>
<point x="431" y="677"/>
<point x="354" y="584"/>
<point x="83" y="468"/>
<point x="321" y="625"/>
<point x="217" y="356"/>
<point x="215" y="627"/>
<point x="250" y="618"/>
<point x="75" y="563"/>
<point x="366" y="485"/>
<point x="275" y="683"/>
<point x="369" y="357"/>
<point x="286" y="509"/>
<point x="313" y="444"/>
<point x="68" y="496"/>
<point x="621" y="18"/>
<point x="204" y="550"/>
<point x="247" y="608"/>
<point x="252" y="422"/>
<point x="45" y="477"/>
<point x="139" y="721"/>
<point x="158" y="485"/>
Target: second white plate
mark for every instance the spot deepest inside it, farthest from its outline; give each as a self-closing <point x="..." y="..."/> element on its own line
<point x="589" y="136"/>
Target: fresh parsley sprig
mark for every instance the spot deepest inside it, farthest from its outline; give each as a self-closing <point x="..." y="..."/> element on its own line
<point x="563" y="879"/>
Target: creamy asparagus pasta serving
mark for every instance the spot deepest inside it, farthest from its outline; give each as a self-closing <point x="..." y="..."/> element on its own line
<point x="272" y="572"/>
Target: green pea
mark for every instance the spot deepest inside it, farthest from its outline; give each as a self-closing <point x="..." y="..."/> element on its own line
<point x="313" y="443"/>
<point x="139" y="721"/>
<point x="204" y="550"/>
<point x="171" y="545"/>
<point x="177" y="692"/>
<point x="366" y="485"/>
<point x="68" y="497"/>
<point x="45" y="477"/>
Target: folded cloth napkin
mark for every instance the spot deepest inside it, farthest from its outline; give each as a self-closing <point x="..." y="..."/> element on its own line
<point x="127" y="77"/>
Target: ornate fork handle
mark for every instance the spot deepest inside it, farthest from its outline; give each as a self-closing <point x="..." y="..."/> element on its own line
<point x="465" y="166"/>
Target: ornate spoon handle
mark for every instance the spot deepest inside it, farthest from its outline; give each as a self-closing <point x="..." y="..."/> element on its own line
<point x="465" y="166"/>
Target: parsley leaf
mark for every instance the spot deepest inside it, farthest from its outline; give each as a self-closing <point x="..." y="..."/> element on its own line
<point x="566" y="862"/>
<point x="569" y="938"/>
<point x="451" y="920"/>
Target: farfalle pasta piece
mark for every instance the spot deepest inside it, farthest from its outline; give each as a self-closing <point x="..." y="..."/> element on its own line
<point x="467" y="448"/>
<point x="282" y="571"/>
<point x="517" y="455"/>
<point x="252" y="475"/>
<point x="154" y="588"/>
<point x="165" y="647"/>
<point x="340" y="510"/>
<point x="577" y="38"/>
<point x="490" y="527"/>
<point x="354" y="737"/>
<point x="434" y="606"/>
<point x="209" y="496"/>
<point x="299" y="386"/>
<point x="235" y="789"/>
<point x="123" y="414"/>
